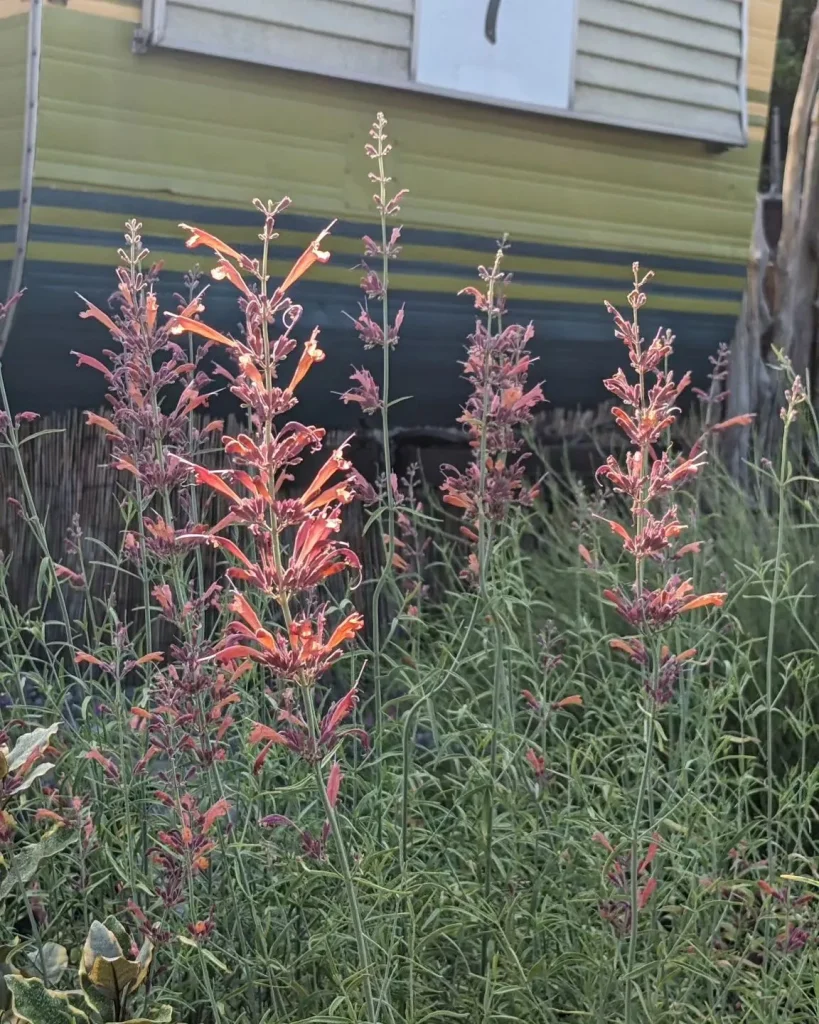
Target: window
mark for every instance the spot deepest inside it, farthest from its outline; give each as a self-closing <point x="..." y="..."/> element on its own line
<point x="520" y="51"/>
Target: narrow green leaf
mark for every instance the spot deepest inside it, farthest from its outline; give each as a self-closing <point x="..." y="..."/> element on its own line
<point x="205" y="952"/>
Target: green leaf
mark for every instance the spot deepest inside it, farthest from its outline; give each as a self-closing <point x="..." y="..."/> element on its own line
<point x="5" y="995"/>
<point x="162" y="1014"/>
<point x="206" y="953"/>
<point x="36" y="773"/>
<point x="37" y="739"/>
<point x="55" y="958"/>
<point x="33" y="1002"/>
<point x="30" y="857"/>
<point x="122" y="937"/>
<point x="806" y="879"/>
<point x="45" y="579"/>
<point x="101" y="1006"/>
<point x="106" y="966"/>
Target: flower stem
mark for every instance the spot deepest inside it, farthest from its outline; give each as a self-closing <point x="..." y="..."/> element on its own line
<point x="386" y="573"/>
<point x="346" y="871"/>
<point x="484" y="548"/>
<point x="489" y="807"/>
<point x="782" y="483"/>
<point x="635" y="861"/>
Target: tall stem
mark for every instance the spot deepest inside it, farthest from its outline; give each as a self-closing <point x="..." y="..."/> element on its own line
<point x="635" y="862"/>
<point x="782" y="483"/>
<point x="32" y="920"/>
<point x="489" y="803"/>
<point x="344" y="860"/>
<point x="386" y="572"/>
<point x="484" y="546"/>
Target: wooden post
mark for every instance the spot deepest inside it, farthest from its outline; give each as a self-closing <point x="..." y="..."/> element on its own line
<point x="796" y="256"/>
<point x="779" y="310"/>
<point x="748" y="380"/>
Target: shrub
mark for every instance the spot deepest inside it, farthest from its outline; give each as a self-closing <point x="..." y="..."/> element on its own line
<point x="474" y="795"/>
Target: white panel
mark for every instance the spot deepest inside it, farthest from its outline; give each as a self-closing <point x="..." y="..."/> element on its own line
<point x="716" y="12"/>
<point x="529" y="60"/>
<point x="672" y="66"/>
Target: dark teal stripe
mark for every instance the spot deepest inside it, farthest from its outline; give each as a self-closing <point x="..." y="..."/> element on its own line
<point x="112" y="239"/>
<point x="139" y="206"/>
<point x="575" y="345"/>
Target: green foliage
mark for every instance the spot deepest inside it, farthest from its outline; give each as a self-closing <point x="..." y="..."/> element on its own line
<point x="107" y="980"/>
<point x="794" y="28"/>
<point x="28" y="859"/>
<point x="105" y="966"/>
<point x="32" y="1002"/>
<point x="478" y="853"/>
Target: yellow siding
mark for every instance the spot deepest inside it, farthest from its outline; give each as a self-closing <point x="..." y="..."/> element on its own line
<point x="224" y="132"/>
<point x="13" y="34"/>
<point x="764" y="29"/>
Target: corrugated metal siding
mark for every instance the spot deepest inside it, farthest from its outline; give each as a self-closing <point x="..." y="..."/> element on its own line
<point x="661" y="62"/>
<point x="358" y="39"/>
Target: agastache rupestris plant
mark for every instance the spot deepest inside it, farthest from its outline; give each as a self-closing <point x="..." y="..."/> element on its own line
<point x="294" y="540"/>
<point x="648" y="480"/>
<point x="497" y="366"/>
<point x="373" y="397"/>
<point x="145" y="429"/>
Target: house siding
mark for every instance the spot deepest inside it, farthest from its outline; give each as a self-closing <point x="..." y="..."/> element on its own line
<point x="169" y="137"/>
<point x="359" y="39"/>
<point x="13" y="52"/>
<point x="651" y="63"/>
<point x="13" y="56"/>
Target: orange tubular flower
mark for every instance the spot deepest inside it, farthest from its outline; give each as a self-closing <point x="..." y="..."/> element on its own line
<point x="335" y="464"/>
<point x="316" y="556"/>
<point x="649" y="414"/>
<point x="225" y="271"/>
<point x="301" y="658"/>
<point x="312" y="254"/>
<point x="94" y="420"/>
<point x="97" y="314"/>
<point x="180" y="324"/>
<point x="199" y="237"/>
<point x="310" y="354"/>
<point x="704" y="601"/>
